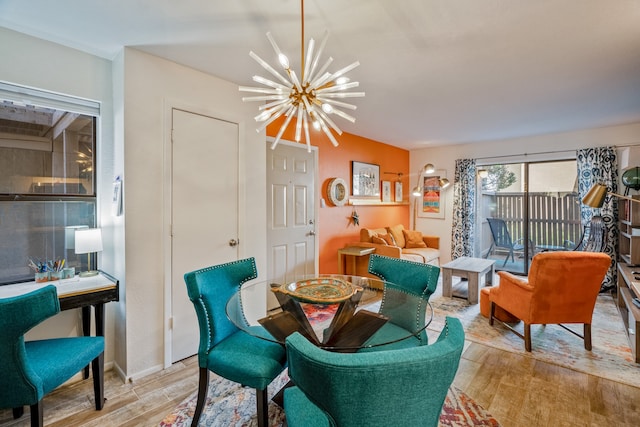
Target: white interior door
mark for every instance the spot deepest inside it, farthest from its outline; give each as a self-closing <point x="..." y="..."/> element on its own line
<point x="204" y="217"/>
<point x="291" y="211"/>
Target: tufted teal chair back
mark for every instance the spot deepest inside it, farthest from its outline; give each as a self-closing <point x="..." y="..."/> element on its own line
<point x="408" y="277"/>
<point x="405" y="387"/>
<point x="209" y="289"/>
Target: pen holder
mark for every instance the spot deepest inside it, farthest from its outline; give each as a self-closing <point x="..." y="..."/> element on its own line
<point x="68" y="273"/>
<point x="42" y="277"/>
<point x="55" y="275"/>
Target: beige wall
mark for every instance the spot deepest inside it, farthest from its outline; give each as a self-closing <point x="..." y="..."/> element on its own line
<point x="151" y="87"/>
<point x="556" y="146"/>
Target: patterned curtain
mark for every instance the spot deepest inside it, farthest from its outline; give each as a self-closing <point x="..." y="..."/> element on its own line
<point x="600" y="165"/>
<point x="464" y="209"/>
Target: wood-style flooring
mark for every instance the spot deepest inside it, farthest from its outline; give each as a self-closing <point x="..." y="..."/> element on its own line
<point x="518" y="390"/>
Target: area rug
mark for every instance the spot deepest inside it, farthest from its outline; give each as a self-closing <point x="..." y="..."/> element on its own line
<point x="231" y="405"/>
<point x="610" y="356"/>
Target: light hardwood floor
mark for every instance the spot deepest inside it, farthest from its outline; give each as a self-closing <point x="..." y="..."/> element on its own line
<point x="518" y="390"/>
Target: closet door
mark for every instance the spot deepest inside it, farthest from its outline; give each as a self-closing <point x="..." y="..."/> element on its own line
<point x="204" y="212"/>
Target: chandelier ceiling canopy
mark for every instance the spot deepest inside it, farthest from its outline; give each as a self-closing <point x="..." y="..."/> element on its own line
<point x="312" y="98"/>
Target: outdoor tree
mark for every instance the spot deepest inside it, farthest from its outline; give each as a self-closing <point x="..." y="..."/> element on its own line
<point x="499" y="178"/>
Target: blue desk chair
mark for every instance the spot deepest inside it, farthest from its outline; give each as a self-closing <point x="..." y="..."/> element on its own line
<point x="407" y="315"/>
<point x="224" y="349"/>
<point x="405" y="387"/>
<point x="30" y="370"/>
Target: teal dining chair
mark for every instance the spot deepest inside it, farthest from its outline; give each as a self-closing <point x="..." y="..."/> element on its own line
<point x="404" y="387"/>
<point x="224" y="349"/>
<point x="29" y="370"/>
<point x="407" y="277"/>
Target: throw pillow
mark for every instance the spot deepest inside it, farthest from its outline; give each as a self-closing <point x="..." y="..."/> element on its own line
<point x="379" y="240"/>
<point x="389" y="239"/>
<point x="414" y="239"/>
<point x="398" y="236"/>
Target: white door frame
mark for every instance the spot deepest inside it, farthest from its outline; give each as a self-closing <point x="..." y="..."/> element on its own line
<point x="169" y="106"/>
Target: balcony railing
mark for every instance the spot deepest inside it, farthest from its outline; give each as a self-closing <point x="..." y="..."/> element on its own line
<point x="554" y="218"/>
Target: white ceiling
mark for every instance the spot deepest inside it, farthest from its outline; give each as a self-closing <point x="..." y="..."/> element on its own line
<point x="434" y="71"/>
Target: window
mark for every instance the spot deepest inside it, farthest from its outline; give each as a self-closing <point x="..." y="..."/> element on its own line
<point x="47" y="178"/>
<point x="533" y="202"/>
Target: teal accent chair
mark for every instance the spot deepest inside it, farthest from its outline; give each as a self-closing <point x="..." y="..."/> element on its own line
<point x="30" y="370"/>
<point x="407" y="315"/>
<point x="224" y="349"/>
<point x="405" y="387"/>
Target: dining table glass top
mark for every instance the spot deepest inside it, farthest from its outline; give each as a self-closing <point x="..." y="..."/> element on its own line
<point x="336" y="312"/>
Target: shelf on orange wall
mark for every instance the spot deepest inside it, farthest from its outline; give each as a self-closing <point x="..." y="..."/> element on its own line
<point x="367" y="202"/>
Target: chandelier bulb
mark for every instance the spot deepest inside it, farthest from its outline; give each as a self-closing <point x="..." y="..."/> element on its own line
<point x="284" y="61"/>
<point x="327" y="108"/>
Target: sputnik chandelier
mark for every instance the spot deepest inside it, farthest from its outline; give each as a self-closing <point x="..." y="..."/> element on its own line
<point x="312" y="98"/>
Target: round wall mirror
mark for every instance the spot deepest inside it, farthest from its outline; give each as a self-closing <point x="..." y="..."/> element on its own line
<point x="337" y="191"/>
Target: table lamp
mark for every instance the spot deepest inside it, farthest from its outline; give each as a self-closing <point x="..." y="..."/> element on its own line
<point x="87" y="242"/>
<point x="70" y="235"/>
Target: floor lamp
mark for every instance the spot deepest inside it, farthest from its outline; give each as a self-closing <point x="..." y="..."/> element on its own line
<point x="417" y="190"/>
<point x="597" y="194"/>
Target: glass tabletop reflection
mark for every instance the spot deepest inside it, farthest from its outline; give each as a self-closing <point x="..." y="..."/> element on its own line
<point x="335" y="312"/>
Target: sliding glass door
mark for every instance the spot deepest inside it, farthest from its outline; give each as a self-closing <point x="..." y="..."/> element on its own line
<point x="527" y="208"/>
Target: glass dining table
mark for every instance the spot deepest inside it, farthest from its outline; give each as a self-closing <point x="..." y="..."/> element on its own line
<point x="336" y="312"/>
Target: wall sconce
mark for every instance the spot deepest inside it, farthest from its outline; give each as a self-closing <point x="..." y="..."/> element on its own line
<point x="88" y="241"/>
<point x="417" y="190"/>
<point x="483" y="173"/>
<point x="596" y="196"/>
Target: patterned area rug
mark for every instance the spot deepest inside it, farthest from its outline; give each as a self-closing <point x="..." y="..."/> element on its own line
<point x="610" y="356"/>
<point x="229" y="404"/>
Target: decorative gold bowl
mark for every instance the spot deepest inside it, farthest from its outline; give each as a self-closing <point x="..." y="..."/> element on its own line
<point x="319" y="290"/>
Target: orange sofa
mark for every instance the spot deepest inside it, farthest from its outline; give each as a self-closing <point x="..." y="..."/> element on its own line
<point x="397" y="242"/>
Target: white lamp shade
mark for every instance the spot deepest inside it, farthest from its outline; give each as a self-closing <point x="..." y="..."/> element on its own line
<point x="70" y="235"/>
<point x="88" y="240"/>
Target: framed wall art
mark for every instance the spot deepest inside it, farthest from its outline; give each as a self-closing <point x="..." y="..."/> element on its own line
<point x="386" y="191"/>
<point x="365" y="180"/>
<point x="432" y="202"/>
<point x="398" y="193"/>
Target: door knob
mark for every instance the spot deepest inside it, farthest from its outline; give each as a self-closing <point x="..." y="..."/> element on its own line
<point x="233" y="242"/>
<point x="311" y="233"/>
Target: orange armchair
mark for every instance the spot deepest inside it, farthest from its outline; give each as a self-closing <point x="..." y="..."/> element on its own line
<point x="562" y="287"/>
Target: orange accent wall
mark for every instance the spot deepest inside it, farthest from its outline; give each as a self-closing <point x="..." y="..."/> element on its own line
<point x="335" y="227"/>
